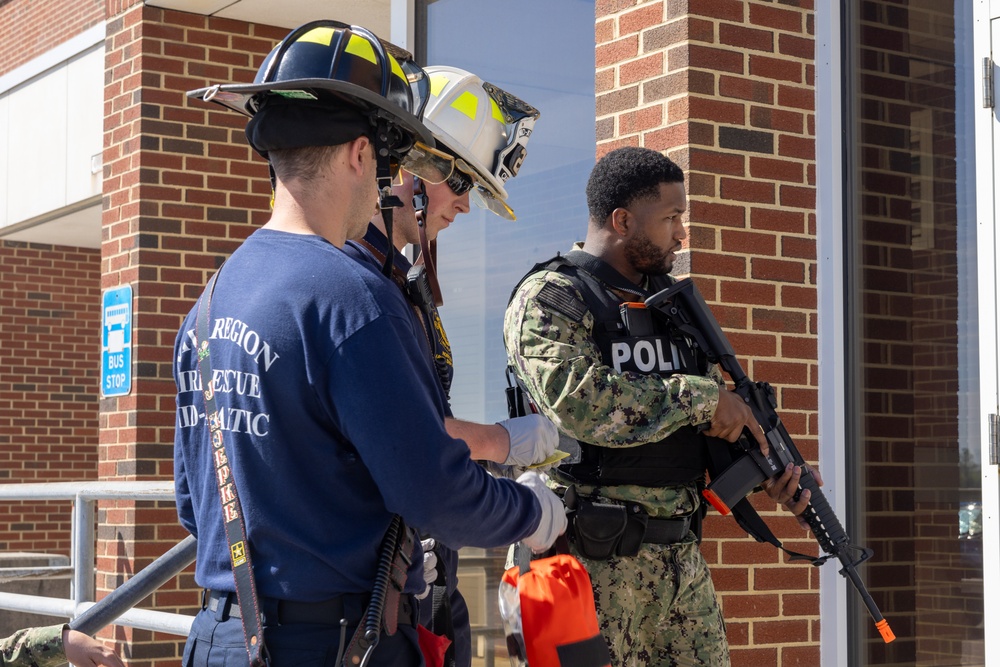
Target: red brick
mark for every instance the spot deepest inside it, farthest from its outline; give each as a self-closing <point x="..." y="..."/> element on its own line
<point x="645" y="16"/>
<point x="797" y="197"/>
<point x="703" y="108"/>
<point x="778" y="69"/>
<point x="754" y="605"/>
<point x="755" y="293"/>
<point x="776" y="170"/>
<point x="723" y="10"/>
<point x="781" y="632"/>
<point x="742" y="37"/>
<point x="746" y="89"/>
<point x="717" y="214"/>
<point x="604" y="31"/>
<point x="640" y="120"/>
<point x="773" y="17"/>
<point x="802" y="248"/>
<point x="797" y="147"/>
<point x="798" y="98"/>
<point x="738" y="189"/>
<point x="642" y="69"/>
<point x="714" y="59"/>
<point x="748" y="243"/>
<point x="717" y="162"/>
<point x="616" y="51"/>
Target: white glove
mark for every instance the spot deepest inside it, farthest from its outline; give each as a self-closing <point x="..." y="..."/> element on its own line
<point x="553" y="523"/>
<point x="533" y="438"/>
<point x="430" y="567"/>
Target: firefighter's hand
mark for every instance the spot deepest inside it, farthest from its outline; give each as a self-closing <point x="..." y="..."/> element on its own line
<point x="85" y="651"/>
<point x="553" y="522"/>
<point x="430" y="567"/>
<point x="533" y="438"/>
<point x="732" y="415"/>
<point x="782" y="489"/>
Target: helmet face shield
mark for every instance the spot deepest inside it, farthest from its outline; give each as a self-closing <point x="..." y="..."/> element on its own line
<point x="428" y="164"/>
<point x="483" y="198"/>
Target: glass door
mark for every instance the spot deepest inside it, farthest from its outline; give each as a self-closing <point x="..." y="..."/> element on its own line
<point x="912" y="307"/>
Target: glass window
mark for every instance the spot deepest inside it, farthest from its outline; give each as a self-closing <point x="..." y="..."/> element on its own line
<point x="482" y="257"/>
<point x="912" y="309"/>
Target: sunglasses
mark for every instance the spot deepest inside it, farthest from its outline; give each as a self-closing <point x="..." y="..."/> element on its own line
<point x="460" y="182"/>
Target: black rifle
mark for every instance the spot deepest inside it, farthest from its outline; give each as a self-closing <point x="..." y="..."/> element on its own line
<point x="685" y="309"/>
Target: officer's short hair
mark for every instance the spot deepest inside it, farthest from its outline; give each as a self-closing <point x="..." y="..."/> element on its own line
<point x="626" y="175"/>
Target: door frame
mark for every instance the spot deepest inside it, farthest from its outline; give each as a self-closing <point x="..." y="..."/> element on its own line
<point x="986" y="20"/>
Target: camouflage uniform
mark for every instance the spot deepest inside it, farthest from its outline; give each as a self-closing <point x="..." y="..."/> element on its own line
<point x="659" y="607"/>
<point x="34" y="647"/>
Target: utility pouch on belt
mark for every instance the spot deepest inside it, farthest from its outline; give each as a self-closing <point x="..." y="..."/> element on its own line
<point x="602" y="530"/>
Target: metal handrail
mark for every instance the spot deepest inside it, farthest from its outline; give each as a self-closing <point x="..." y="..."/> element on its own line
<point x="87" y="615"/>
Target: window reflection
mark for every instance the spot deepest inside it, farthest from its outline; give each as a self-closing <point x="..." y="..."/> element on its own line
<point x="917" y="467"/>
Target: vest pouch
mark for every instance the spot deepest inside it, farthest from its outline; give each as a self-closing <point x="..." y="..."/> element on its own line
<point x="598" y="527"/>
<point x="635" y="530"/>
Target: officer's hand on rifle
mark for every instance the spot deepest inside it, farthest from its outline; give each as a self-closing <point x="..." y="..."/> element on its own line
<point x="783" y="488"/>
<point x="732" y="415"/>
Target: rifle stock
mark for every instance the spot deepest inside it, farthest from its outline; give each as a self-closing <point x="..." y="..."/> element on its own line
<point x="684" y="309"/>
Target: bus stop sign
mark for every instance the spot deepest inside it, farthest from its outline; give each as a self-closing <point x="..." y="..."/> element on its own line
<point x="116" y="342"/>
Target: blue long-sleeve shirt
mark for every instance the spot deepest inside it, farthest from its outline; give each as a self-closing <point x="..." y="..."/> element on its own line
<point x="334" y="421"/>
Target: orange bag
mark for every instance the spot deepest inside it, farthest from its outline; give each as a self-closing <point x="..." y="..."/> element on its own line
<point x="548" y="611"/>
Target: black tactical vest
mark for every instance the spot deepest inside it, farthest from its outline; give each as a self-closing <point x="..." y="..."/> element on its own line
<point x="649" y="347"/>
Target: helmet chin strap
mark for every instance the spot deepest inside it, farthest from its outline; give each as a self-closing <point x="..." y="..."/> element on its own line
<point x="428" y="249"/>
<point x="387" y="200"/>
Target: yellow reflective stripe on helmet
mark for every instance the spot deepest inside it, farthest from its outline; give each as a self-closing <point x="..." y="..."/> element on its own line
<point x="497" y="114"/>
<point x="438" y="82"/>
<point x="362" y="48"/>
<point x="318" y="36"/>
<point x="397" y="70"/>
<point x="467" y="103"/>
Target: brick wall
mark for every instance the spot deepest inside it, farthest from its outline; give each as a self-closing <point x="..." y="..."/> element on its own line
<point x="49" y="362"/>
<point x="179" y="185"/>
<point x="28" y="28"/>
<point x="725" y="88"/>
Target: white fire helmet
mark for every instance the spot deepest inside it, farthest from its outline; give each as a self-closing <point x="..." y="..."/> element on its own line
<point x="484" y="126"/>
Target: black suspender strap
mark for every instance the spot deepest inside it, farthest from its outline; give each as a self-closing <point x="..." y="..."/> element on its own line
<point x="232" y="513"/>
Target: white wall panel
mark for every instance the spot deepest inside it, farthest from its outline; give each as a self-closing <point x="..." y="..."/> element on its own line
<point x="84" y="125"/>
<point x="4" y="158"/>
<point x="36" y="179"/>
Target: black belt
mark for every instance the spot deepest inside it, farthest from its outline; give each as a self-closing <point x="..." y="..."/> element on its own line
<point x="288" y="612"/>
<point x="667" y="531"/>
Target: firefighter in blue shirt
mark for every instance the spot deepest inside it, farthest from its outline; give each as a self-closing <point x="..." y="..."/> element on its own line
<point x="480" y="134"/>
<point x="331" y="413"/>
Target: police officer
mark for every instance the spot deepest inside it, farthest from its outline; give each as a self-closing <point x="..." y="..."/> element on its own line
<point x="329" y="420"/>
<point x="55" y="645"/>
<point x="469" y="121"/>
<point x="641" y="409"/>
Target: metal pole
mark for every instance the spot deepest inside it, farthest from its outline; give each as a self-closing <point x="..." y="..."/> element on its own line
<point x="84" y="552"/>
<point x="138" y="587"/>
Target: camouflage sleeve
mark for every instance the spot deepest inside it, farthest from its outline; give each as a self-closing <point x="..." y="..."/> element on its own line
<point x="559" y="362"/>
<point x="34" y="647"/>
